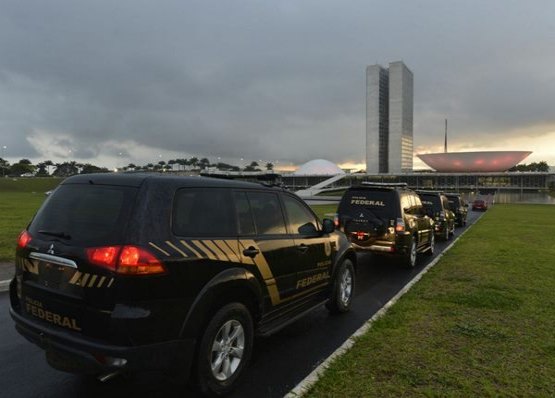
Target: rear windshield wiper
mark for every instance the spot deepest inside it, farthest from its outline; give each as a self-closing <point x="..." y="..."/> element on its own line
<point x="57" y="234"/>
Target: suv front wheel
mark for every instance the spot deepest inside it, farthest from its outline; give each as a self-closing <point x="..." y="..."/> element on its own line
<point x="343" y="288"/>
<point x="410" y="257"/>
<point x="225" y="350"/>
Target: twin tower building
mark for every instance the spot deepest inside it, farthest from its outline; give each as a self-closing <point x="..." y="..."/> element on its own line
<point x="389" y="111"/>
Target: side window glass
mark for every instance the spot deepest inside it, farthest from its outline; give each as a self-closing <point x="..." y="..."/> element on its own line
<point x="301" y="220"/>
<point x="244" y="214"/>
<point x="203" y="212"/>
<point x="405" y="203"/>
<point x="267" y="213"/>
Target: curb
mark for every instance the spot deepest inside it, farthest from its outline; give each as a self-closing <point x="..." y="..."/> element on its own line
<point x="304" y="386"/>
<point x="4" y="285"/>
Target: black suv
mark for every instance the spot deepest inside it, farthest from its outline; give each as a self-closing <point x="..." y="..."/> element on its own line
<point x="386" y="219"/>
<point x="437" y="206"/>
<point x="458" y="206"/>
<point x="134" y="272"/>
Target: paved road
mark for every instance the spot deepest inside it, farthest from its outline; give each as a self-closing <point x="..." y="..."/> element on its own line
<point x="279" y="362"/>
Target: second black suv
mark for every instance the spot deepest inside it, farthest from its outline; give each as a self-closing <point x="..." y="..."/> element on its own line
<point x="459" y="207"/>
<point x="137" y="272"/>
<point x="386" y="219"/>
<point x="437" y="206"/>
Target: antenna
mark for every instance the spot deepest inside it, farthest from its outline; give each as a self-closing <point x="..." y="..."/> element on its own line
<point x="445" y="150"/>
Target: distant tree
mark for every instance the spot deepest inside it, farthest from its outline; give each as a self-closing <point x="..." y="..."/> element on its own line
<point x="41" y="170"/>
<point x="66" y="169"/>
<point x="203" y="163"/>
<point x="4" y="167"/>
<point x="543" y="166"/>
<point x="252" y="167"/>
<point x="25" y="161"/>
<point x="91" y="168"/>
<point x="48" y="163"/>
<point x="193" y="162"/>
<point x="131" y="166"/>
<point x="162" y="163"/>
<point x="17" y="169"/>
<point x="269" y="166"/>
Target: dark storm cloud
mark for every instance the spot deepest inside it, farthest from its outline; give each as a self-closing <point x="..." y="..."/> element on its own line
<point x="271" y="80"/>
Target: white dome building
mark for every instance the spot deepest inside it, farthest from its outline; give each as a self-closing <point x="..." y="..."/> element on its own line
<point x="320" y="167"/>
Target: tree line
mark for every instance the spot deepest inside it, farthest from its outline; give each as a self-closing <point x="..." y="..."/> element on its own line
<point x="47" y="168"/>
<point x="535" y="166"/>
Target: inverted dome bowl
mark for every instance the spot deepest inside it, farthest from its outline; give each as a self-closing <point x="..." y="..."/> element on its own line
<point x="469" y="162"/>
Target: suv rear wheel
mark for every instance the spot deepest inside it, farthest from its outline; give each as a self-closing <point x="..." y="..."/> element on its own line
<point x="343" y="289"/>
<point x="225" y="350"/>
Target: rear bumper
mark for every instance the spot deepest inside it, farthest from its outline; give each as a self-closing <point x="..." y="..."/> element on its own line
<point x="73" y="353"/>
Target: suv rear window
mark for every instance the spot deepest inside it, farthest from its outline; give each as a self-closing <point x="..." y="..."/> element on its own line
<point x="85" y="214"/>
<point x="431" y="202"/>
<point x="382" y="203"/>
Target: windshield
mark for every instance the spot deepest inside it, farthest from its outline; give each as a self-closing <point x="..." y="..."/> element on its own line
<point x="84" y="214"/>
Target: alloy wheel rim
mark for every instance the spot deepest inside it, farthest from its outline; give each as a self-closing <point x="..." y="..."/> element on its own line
<point x="227" y="350"/>
<point x="413" y="254"/>
<point x="346" y="286"/>
<point x="432" y="243"/>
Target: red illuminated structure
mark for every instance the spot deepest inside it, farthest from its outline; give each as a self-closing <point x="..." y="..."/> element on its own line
<point x="470" y="162"/>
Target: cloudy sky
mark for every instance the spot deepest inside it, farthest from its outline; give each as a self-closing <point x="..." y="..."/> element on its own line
<point x="113" y="82"/>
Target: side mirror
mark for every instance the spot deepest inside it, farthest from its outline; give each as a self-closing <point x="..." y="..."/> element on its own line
<point x="328" y="226"/>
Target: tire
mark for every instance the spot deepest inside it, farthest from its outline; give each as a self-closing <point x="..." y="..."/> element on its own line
<point x="343" y="289"/>
<point x="446" y="233"/>
<point x="409" y="260"/>
<point x="431" y="248"/>
<point x="225" y="350"/>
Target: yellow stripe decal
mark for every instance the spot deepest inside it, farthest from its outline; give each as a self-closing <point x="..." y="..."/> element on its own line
<point x="159" y="249"/>
<point x="110" y="283"/>
<point x="93" y="279"/>
<point x="191" y="248"/>
<point x="227" y="248"/>
<point x="208" y="253"/>
<point x="75" y="278"/>
<point x="177" y="249"/>
<point x="220" y="254"/>
<point x="259" y="259"/>
<point x="84" y="279"/>
<point x="101" y="282"/>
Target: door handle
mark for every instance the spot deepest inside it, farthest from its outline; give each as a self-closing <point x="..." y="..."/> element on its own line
<point x="302" y="248"/>
<point x="251" y="252"/>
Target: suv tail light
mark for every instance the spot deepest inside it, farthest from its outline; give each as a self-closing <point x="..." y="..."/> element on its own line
<point x="336" y="220"/>
<point x="24" y="239"/>
<point x="400" y="225"/>
<point x="127" y="260"/>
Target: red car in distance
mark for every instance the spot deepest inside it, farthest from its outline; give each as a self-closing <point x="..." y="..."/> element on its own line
<point x="479" y="204"/>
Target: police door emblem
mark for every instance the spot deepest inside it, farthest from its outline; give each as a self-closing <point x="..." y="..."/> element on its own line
<point x="51" y="249"/>
<point x="327" y="248"/>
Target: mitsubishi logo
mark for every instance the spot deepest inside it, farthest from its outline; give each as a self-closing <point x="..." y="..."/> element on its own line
<point x="361" y="215"/>
<point x="51" y="249"/>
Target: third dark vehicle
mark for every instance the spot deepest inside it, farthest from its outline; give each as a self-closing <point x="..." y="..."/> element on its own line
<point x="458" y="206"/>
<point x="121" y="273"/>
<point x="386" y="219"/>
<point x="437" y="206"/>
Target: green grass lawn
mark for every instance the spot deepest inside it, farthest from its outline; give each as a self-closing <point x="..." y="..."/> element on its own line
<point x="480" y="324"/>
<point x="19" y="200"/>
<point x="322" y="210"/>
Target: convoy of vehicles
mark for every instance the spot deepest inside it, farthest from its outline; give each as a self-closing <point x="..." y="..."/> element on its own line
<point x="122" y="273"/>
<point x="386" y="219"/>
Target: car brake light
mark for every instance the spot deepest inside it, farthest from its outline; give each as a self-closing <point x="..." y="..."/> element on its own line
<point x="128" y="260"/>
<point x="104" y="256"/>
<point x="135" y="260"/>
<point x="336" y="220"/>
<point x="24" y="239"/>
<point x="400" y="225"/>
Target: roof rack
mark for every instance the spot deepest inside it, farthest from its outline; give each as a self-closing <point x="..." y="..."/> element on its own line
<point x="384" y="184"/>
